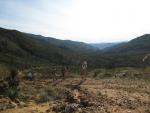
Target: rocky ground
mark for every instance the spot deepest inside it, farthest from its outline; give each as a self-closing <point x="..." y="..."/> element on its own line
<point x="73" y="95"/>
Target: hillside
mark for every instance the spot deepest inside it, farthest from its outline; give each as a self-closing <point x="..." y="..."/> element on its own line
<point x="125" y="54"/>
<point x="18" y="48"/>
<point x="139" y="44"/>
<point x="28" y="49"/>
<point x="104" y="45"/>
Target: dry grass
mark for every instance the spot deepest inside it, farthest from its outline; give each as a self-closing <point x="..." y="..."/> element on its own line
<point x="109" y="94"/>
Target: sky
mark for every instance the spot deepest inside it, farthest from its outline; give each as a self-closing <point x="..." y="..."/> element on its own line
<point x="91" y="21"/>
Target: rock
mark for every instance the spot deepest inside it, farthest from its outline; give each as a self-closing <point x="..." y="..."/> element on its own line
<point x="48" y="111"/>
<point x="59" y="107"/>
<point x="128" y="111"/>
<point x="71" y="108"/>
<point x="3" y="107"/>
<point x="11" y="105"/>
<point x="70" y="97"/>
<point x="121" y="74"/>
<point x="22" y="104"/>
<point x="80" y="110"/>
<point x="7" y="104"/>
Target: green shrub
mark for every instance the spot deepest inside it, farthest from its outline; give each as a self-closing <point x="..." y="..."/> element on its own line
<point x="12" y="93"/>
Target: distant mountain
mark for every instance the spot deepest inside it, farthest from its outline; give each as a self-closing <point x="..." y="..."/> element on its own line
<point x="23" y="49"/>
<point x="104" y="45"/>
<point x="139" y="44"/>
<point x="125" y="54"/>
<point x="27" y="49"/>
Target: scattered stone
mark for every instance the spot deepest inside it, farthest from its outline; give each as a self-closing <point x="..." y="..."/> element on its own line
<point x="71" y="108"/>
<point x="22" y="104"/>
<point x="12" y="105"/>
<point x="7" y="104"/>
<point x="74" y="102"/>
<point x="129" y="112"/>
<point x="48" y="111"/>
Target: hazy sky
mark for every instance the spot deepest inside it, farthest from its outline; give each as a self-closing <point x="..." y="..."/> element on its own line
<point x="79" y="20"/>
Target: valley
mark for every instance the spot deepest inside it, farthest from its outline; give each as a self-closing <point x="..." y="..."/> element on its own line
<point x="117" y="79"/>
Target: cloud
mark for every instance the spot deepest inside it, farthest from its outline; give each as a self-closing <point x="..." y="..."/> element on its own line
<point x="81" y="20"/>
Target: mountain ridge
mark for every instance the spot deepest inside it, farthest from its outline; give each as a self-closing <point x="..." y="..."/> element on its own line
<point x="20" y="48"/>
<point x="128" y="54"/>
<point x="105" y="45"/>
<point x="52" y="50"/>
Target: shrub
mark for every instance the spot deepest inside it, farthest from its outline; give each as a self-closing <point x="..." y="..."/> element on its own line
<point x="43" y="97"/>
<point x="50" y="93"/>
<point x="12" y="93"/>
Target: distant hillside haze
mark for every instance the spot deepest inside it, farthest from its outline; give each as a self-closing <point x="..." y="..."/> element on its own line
<point x="104" y="45"/>
<point x="23" y="49"/>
